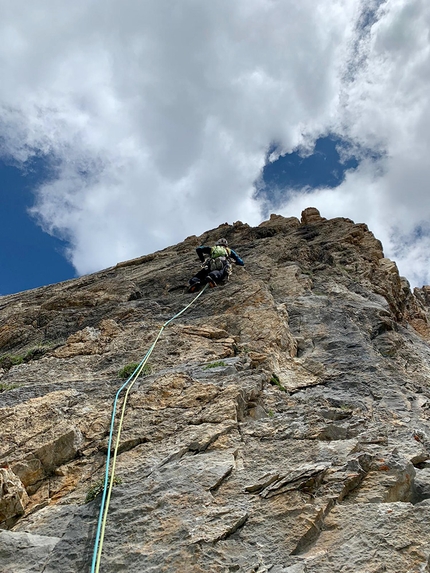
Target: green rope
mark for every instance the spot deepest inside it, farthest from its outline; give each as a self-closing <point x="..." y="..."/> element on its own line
<point x="98" y="547"/>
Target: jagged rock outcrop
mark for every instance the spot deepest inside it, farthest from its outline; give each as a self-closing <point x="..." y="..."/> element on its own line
<point x="283" y="424"/>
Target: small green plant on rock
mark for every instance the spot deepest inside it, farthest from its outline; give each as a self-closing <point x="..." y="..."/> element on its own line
<point x="274" y="380"/>
<point x="4" y="386"/>
<point x="37" y="352"/>
<point x="97" y="488"/>
<point x="214" y="364"/>
<point x="10" y="360"/>
<point x="128" y="370"/>
<point x="240" y="349"/>
<point x="34" y="353"/>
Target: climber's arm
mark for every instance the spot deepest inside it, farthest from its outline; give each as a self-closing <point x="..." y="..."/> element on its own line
<point x="236" y="258"/>
<point x="202" y="251"/>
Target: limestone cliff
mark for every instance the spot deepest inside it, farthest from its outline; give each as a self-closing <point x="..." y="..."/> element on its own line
<point x="283" y="425"/>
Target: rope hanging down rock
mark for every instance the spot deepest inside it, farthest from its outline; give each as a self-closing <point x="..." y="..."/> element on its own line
<point x="108" y="484"/>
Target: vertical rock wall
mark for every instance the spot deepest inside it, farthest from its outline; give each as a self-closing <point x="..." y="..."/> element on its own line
<point x="283" y="424"/>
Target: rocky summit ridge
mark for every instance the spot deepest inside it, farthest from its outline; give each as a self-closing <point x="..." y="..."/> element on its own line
<point x="282" y="425"/>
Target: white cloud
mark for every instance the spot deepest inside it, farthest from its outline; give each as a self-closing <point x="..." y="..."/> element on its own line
<point x="159" y="115"/>
<point x="169" y="112"/>
<point x="386" y="106"/>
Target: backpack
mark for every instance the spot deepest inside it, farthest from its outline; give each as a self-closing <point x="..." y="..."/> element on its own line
<point x="219" y="251"/>
<point x="219" y="259"/>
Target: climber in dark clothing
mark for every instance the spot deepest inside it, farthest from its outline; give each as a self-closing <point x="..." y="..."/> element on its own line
<point x="216" y="266"/>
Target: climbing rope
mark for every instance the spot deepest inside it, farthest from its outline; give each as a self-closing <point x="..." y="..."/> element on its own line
<point x="108" y="483"/>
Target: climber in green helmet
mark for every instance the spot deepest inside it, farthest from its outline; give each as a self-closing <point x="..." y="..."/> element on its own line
<point x="216" y="266"/>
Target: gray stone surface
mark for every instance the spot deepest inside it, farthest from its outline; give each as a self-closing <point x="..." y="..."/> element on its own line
<point x="24" y="553"/>
<point x="283" y="426"/>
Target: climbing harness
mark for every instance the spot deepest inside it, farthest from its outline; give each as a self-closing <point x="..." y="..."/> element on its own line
<point x="108" y="483"/>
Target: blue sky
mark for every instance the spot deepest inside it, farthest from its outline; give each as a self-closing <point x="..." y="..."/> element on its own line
<point x="322" y="168"/>
<point x="160" y="122"/>
<point x="28" y="257"/>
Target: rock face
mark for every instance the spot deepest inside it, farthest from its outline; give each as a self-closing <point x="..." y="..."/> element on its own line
<point x="283" y="424"/>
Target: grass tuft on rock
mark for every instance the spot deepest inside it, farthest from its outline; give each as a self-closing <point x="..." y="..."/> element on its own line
<point x="214" y="365"/>
<point x="10" y="360"/>
<point x="4" y="387"/>
<point x="97" y="488"/>
<point x="128" y="370"/>
<point x="274" y="380"/>
<point x="34" y="353"/>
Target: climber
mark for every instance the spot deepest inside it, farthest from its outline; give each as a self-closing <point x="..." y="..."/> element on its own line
<point x="217" y="265"/>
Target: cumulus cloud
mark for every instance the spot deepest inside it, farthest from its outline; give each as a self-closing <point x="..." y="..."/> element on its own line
<point x="158" y="116"/>
<point x="384" y="106"/>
